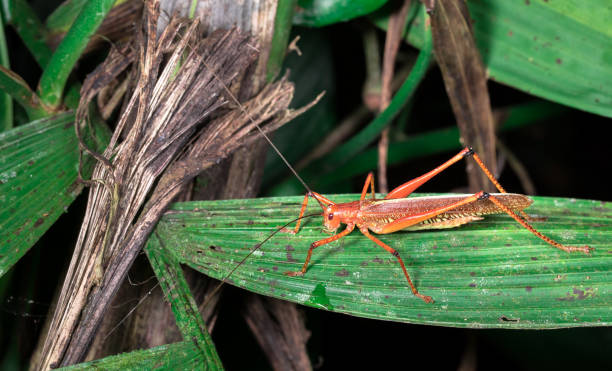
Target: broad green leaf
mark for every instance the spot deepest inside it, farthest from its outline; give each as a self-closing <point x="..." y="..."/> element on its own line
<point x="487" y="274"/>
<point x="38" y="181"/>
<point x="178" y="356"/>
<point x="557" y="50"/>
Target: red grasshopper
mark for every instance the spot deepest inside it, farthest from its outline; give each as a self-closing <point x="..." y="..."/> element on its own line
<point x="394" y="213"/>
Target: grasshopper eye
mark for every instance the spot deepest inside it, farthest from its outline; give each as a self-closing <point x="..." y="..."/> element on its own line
<point x="330" y="216"/>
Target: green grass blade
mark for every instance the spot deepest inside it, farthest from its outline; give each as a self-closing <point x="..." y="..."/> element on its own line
<point x="38" y="180"/>
<point x="188" y="319"/>
<point x="488" y="274"/>
<point x="178" y="356"/>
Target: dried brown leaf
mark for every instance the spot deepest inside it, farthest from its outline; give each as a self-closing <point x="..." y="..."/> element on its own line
<point x="466" y="83"/>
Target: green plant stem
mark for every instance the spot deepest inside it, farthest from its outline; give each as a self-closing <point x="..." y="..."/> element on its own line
<point x="21" y="16"/>
<point x="282" y="29"/>
<point x="13" y="84"/>
<point x="192" y="8"/>
<point x="58" y="69"/>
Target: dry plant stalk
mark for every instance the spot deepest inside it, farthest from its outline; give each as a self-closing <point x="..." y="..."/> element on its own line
<point x="279" y="329"/>
<point x="176" y="123"/>
<point x="465" y="80"/>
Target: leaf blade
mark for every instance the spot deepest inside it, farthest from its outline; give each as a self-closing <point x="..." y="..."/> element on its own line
<point x="38" y="181"/>
<point x="488" y="274"/>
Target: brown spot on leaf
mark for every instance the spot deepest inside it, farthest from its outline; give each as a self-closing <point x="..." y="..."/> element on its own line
<point x="510" y="33"/>
<point x="528" y="288"/>
<point x="534" y="258"/>
<point x="472" y="285"/>
<point x="472" y="274"/>
<point x="560" y="277"/>
<point x="342" y="273"/>
<point x="289" y="248"/>
<point x="578" y="294"/>
<point x="559" y="61"/>
<point x="38" y="222"/>
<point x="377" y="260"/>
<point x="250" y="222"/>
<point x="31" y="162"/>
<point x="290" y="258"/>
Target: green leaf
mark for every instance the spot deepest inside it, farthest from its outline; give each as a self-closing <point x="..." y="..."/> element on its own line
<point x="22" y="17"/>
<point x="188" y="319"/>
<point x="178" y="356"/>
<point x="557" y="50"/>
<point x="317" y="13"/>
<point x="38" y="180"/>
<point x="6" y="103"/>
<point x="487" y="274"/>
<point x="64" y="15"/>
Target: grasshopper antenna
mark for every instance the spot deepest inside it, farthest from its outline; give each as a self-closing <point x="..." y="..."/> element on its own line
<point x="278" y="152"/>
<point x="212" y="294"/>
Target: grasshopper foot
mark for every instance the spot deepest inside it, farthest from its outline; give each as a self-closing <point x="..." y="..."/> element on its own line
<point x="584" y="249"/>
<point x="294" y="274"/>
<point x="425" y="298"/>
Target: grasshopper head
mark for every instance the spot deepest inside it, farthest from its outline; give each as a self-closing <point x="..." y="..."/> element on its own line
<point x="331" y="219"/>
